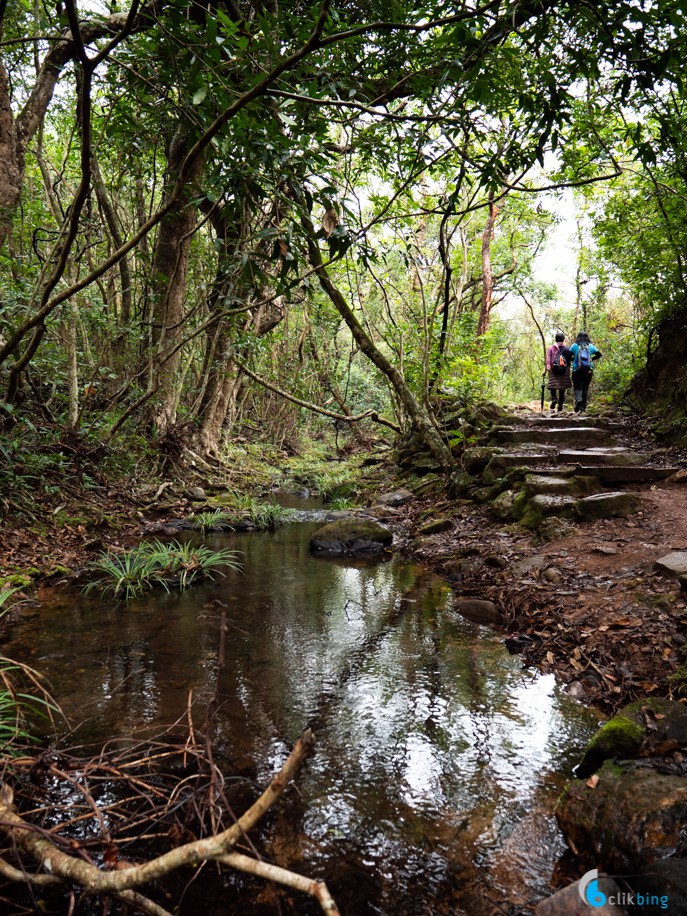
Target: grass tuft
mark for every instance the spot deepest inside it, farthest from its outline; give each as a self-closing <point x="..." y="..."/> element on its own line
<point x="155" y="563"/>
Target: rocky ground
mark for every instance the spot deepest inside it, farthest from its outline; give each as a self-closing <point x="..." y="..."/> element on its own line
<point x="581" y="596"/>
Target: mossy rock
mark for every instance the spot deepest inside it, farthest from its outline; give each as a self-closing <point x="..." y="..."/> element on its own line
<point x="635" y="729"/>
<point x="543" y="505"/>
<point x="487" y="412"/>
<point x="17" y="580"/>
<point x="436" y="526"/>
<point x="351" y="536"/>
<point x="462" y="482"/>
<point x="553" y="529"/>
<point x="620" y="738"/>
<point x="502" y="506"/>
<point x="476" y="459"/>
<point x="486" y="494"/>
<point x="607" y="505"/>
<point x="559" y="486"/>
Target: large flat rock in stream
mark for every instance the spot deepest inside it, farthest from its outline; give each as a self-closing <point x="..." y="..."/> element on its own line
<point x="675" y="563"/>
<point x="616" y="455"/>
<point x="352" y="535"/>
<point x="560" y="435"/>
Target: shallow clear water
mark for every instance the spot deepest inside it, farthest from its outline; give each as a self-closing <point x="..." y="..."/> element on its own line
<point x="438" y="757"/>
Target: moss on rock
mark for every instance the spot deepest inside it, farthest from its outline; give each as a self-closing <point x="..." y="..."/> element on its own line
<point x="621" y="737"/>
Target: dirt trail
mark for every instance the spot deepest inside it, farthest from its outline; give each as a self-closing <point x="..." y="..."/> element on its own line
<point x="592" y="606"/>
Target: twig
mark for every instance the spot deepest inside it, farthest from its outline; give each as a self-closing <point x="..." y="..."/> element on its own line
<point x="316" y="889"/>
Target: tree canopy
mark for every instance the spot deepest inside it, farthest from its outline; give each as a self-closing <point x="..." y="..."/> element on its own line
<point x="203" y="197"/>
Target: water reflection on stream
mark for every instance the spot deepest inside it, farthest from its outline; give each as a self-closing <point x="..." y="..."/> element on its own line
<point x="438" y="757"/>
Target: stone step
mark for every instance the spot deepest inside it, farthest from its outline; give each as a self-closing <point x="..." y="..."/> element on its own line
<point x="536" y="484"/>
<point x="607" y="505"/>
<point x="617" y="456"/>
<point x="561" y="435"/>
<point x="610" y="474"/>
<point x="503" y="461"/>
<point x="600" y="505"/>
<point x="570" y="419"/>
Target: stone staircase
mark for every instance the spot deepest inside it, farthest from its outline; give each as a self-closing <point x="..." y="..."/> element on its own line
<point x="535" y="468"/>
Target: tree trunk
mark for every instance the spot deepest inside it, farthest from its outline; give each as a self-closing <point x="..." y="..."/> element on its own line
<point x="168" y="287"/>
<point x="10" y="174"/>
<point x="418" y="416"/>
<point x="487" y="271"/>
<point x="108" y="210"/>
<point x="71" y="340"/>
<point x="15" y="135"/>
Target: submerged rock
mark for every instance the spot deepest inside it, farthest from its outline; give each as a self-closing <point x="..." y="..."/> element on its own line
<point x="351" y="536"/>
<point x="479" y="611"/>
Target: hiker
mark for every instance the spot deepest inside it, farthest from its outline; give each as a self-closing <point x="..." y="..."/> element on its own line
<point x="584" y="353"/>
<point x="558" y="359"/>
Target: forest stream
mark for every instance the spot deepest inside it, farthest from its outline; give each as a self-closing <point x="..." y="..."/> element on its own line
<point x="439" y="757"/>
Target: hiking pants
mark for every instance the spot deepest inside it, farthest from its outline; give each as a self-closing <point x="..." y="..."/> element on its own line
<point x="560" y="400"/>
<point x="581" y="379"/>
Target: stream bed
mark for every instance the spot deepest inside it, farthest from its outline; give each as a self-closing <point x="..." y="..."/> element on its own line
<point x="439" y="758"/>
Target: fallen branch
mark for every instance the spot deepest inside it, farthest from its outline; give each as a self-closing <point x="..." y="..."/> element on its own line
<point x="121" y="882"/>
<point x="316" y="889"/>
<point x="131" y="897"/>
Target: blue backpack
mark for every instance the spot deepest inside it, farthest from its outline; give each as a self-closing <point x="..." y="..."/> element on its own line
<point x="584" y="359"/>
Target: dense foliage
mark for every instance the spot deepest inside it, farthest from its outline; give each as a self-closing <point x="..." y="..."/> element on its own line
<point x="210" y="209"/>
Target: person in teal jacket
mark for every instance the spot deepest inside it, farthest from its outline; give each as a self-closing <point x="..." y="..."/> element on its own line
<point x="584" y="354"/>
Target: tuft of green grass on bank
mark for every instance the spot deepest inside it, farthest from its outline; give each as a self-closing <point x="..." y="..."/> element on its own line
<point x="265" y="516"/>
<point x="153" y="564"/>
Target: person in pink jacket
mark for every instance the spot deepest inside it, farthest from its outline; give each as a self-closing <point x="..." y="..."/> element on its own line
<point x="558" y="360"/>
